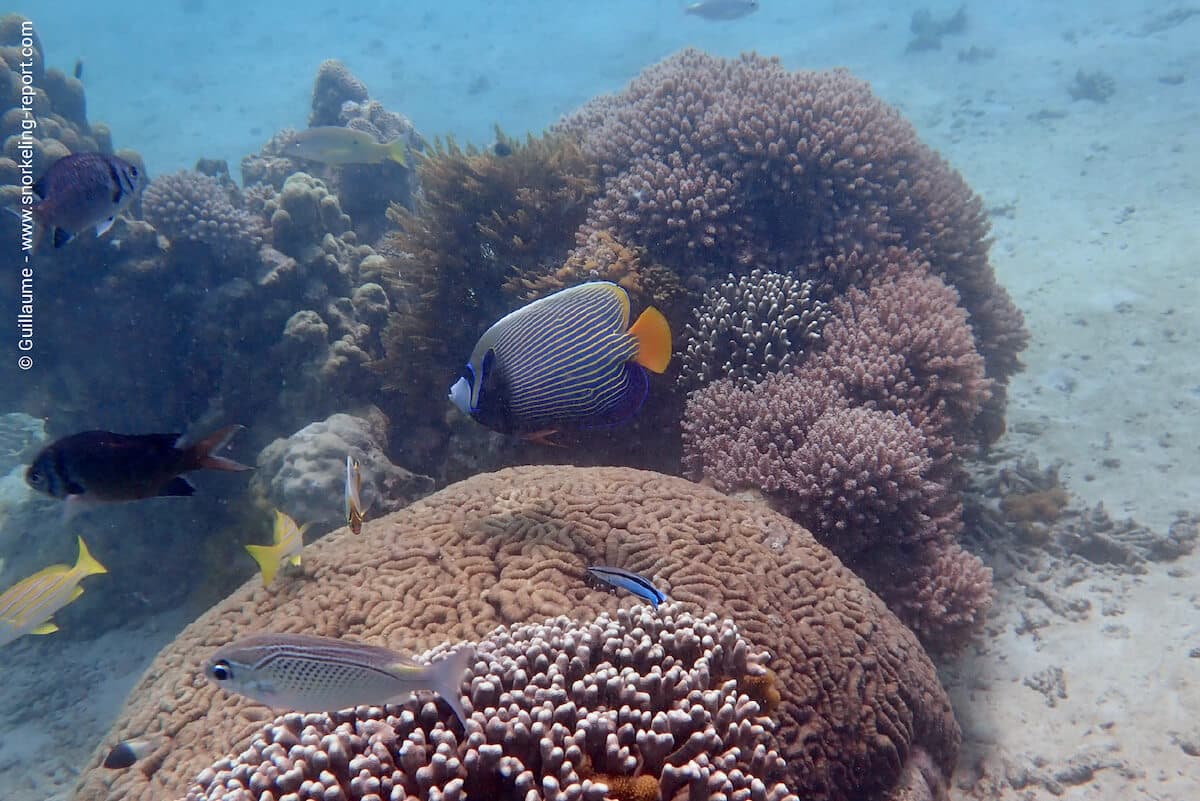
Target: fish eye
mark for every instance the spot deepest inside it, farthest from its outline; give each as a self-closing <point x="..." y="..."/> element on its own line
<point x="133" y="171"/>
<point x="221" y="671"/>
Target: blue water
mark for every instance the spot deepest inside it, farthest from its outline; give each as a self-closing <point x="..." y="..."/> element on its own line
<point x="191" y="78"/>
<point x="1095" y="219"/>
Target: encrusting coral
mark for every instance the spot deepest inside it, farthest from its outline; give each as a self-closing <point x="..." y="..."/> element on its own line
<point x="628" y="706"/>
<point x="858" y="698"/>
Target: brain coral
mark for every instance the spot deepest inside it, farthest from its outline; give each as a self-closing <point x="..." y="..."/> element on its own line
<point x="860" y="700"/>
<point x="643" y="703"/>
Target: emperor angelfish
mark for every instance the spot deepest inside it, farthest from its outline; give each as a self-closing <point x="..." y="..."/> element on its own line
<point x="568" y="360"/>
<point x="84" y="190"/>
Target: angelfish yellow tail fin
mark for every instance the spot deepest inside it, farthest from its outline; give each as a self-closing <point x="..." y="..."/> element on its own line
<point x="267" y="557"/>
<point x="653" y="333"/>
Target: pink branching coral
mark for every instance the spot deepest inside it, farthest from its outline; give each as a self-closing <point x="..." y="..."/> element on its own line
<point x="861" y="444"/>
<point x="631" y="705"/>
<point x="715" y="165"/>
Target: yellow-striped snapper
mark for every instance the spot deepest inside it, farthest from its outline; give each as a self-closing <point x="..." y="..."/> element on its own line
<point x="306" y="673"/>
<point x="288" y="541"/>
<point x="334" y="145"/>
<point x="355" y="513"/>
<point x="27" y="606"/>
<point x="568" y="360"/>
<point x="83" y="190"/>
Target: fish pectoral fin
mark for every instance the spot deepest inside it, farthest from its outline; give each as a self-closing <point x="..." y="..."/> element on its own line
<point x="46" y="628"/>
<point x="653" y="335"/>
<point x="177" y="487"/>
<point x="61" y="237"/>
<point x="543" y="437"/>
<point x="76" y="503"/>
<point x="102" y="227"/>
<point x="294" y="561"/>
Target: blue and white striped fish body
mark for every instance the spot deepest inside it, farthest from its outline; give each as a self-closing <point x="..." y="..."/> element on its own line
<point x="570" y="359"/>
<point x="322" y="674"/>
<point x="629" y="581"/>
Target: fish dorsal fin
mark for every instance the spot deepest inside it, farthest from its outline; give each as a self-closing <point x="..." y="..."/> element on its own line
<point x="653" y="335"/>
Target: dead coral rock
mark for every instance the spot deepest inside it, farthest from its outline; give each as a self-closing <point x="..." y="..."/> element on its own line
<point x="858" y="693"/>
<point x="334" y="85"/>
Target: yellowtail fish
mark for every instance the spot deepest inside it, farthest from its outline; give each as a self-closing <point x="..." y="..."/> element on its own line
<point x="568" y="360"/>
<point x="125" y="753"/>
<point x="354" y="508"/>
<point x="331" y="144"/>
<point x="306" y="673"/>
<point x="26" y="607"/>
<point x="288" y="541"/>
<point x="635" y="583"/>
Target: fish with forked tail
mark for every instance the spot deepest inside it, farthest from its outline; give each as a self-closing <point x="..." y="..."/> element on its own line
<point x="102" y="467"/>
<point x="83" y="190"/>
<point x="26" y="607"/>
<point x="322" y="674"/>
<point x="287" y="542"/>
<point x="334" y="145"/>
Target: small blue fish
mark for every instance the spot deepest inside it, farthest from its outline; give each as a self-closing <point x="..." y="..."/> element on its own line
<point x="568" y="360"/>
<point x="638" y="585"/>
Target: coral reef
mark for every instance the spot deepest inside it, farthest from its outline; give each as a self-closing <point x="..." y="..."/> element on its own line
<point x="482" y="220"/>
<point x="304" y="474"/>
<point x="714" y="165"/>
<point x="45" y="119"/>
<point x="861" y="479"/>
<point x="859" y="699"/>
<point x="632" y="705"/>
<point x="365" y="191"/>
<point x="748" y="327"/>
<point x="190" y="208"/>
<point x="862" y="445"/>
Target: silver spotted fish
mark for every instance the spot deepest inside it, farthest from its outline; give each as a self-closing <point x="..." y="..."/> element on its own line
<point x="307" y="673"/>
<point x="570" y="359"/>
